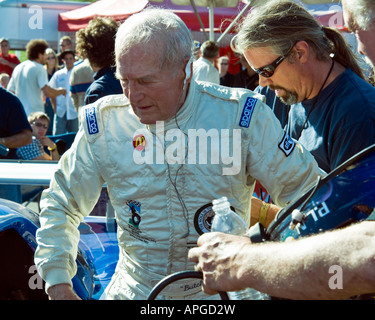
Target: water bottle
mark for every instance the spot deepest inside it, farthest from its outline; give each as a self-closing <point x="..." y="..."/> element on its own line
<point x="227" y="221"/>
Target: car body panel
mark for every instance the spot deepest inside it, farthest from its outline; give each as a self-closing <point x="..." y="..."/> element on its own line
<point x="98" y="245"/>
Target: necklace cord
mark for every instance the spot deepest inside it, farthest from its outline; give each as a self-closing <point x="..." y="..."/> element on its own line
<point x="316" y="99"/>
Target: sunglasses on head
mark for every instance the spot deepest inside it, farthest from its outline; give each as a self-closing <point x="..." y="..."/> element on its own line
<point x="268" y="70"/>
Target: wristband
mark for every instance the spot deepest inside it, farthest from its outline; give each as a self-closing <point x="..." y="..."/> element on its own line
<point x="52" y="148"/>
<point x="263" y="213"/>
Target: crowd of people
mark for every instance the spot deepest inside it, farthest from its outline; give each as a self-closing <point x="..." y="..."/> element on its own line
<point x="301" y="102"/>
<point x="47" y="88"/>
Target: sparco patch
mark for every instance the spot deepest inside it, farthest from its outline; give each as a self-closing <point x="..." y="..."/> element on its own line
<point x="203" y="218"/>
<point x="92" y="123"/>
<point x="247" y="112"/>
<point x="287" y="144"/>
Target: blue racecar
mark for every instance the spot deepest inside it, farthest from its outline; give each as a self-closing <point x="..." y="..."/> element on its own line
<point x="98" y="246"/>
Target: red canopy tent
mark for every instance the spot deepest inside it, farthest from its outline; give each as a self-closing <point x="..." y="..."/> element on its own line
<point x="74" y="20"/>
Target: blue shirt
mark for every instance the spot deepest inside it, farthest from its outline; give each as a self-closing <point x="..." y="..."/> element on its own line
<point x="12" y="118"/>
<point x="341" y="124"/>
<point x="105" y="84"/>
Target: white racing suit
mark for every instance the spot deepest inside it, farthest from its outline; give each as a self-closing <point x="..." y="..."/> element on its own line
<point x="161" y="180"/>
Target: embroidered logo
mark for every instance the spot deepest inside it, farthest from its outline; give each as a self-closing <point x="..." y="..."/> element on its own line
<point x="247" y="112"/>
<point x="92" y="123"/>
<point x="139" y="142"/>
<point x="203" y="218"/>
<point x="135" y="209"/>
<point x="287" y="144"/>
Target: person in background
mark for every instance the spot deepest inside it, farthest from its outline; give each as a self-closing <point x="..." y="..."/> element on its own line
<point x="66" y="117"/>
<point x="4" y="80"/>
<point x="15" y="132"/>
<point x="247" y="77"/>
<point x="359" y="16"/>
<point x="226" y="78"/>
<point x="196" y="49"/>
<point x="29" y="79"/>
<point x="65" y="43"/>
<point x="80" y="80"/>
<point x="39" y="122"/>
<point x="204" y="67"/>
<point x="51" y="66"/>
<point x="96" y="43"/>
<point x="8" y="61"/>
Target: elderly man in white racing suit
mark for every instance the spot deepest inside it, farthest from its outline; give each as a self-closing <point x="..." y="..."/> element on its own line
<point x="151" y="147"/>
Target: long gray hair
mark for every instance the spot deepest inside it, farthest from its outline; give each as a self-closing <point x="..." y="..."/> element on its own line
<point x="165" y="30"/>
<point x="280" y="24"/>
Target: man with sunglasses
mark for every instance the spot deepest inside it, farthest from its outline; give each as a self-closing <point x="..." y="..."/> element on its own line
<point x="39" y="122"/>
<point x="300" y="269"/>
<point x="310" y="70"/>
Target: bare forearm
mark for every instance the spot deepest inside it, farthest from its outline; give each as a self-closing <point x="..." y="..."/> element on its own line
<point x="262" y="212"/>
<point x="17" y="140"/>
<point x="52" y="92"/>
<point x="334" y="265"/>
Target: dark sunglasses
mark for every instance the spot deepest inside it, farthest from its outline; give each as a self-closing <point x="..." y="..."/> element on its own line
<point x="268" y="70"/>
<point x="40" y="125"/>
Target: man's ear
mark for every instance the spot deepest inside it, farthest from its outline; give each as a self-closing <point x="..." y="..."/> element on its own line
<point x="302" y="50"/>
<point x="188" y="70"/>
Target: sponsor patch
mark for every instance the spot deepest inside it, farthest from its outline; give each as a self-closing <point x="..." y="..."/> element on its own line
<point x="139" y="142"/>
<point x="135" y="209"/>
<point x="287" y="144"/>
<point x="92" y="123"/>
<point x="203" y="218"/>
<point x="247" y="112"/>
<point x="134" y="223"/>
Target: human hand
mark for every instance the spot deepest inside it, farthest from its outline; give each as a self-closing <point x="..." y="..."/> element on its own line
<point x="62" y="91"/>
<point x="46" y="142"/>
<point x="218" y="257"/>
<point x="62" y="291"/>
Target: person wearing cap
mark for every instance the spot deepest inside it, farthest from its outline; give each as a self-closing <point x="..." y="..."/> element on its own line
<point x="8" y="61"/>
<point x="29" y="78"/>
<point x="65" y="43"/>
<point x="66" y="117"/>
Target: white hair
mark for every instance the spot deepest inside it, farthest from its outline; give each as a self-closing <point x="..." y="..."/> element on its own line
<point x="362" y="12"/>
<point x="160" y="27"/>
